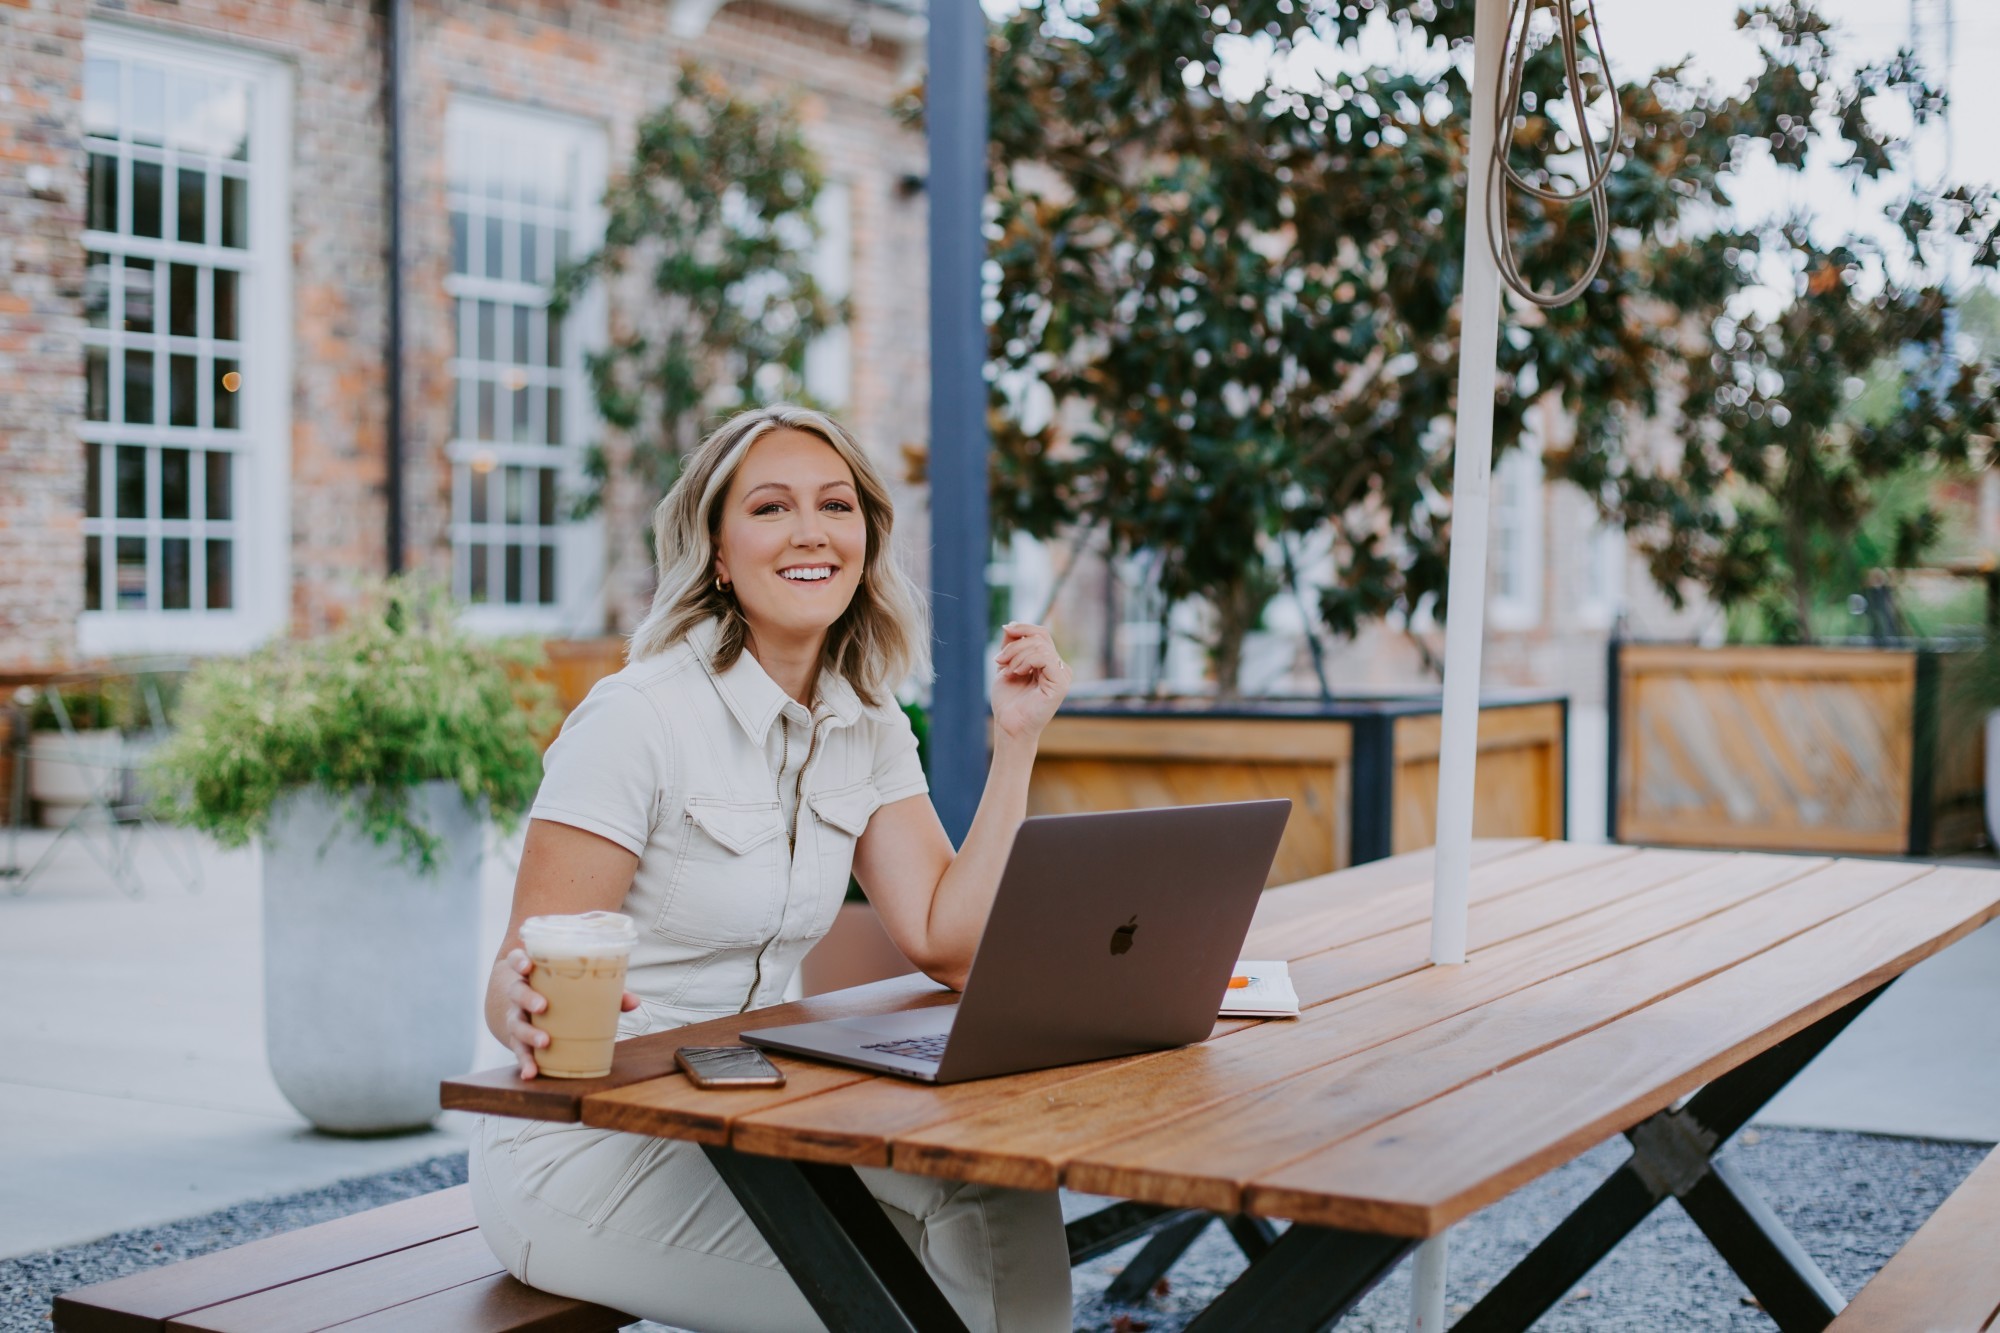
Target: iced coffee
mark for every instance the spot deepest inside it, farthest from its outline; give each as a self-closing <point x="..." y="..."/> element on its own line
<point x="579" y="968"/>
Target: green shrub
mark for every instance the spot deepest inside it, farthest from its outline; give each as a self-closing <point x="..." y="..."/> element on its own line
<point x="399" y="695"/>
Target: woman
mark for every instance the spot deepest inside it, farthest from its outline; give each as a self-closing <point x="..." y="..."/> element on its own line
<point x="718" y="790"/>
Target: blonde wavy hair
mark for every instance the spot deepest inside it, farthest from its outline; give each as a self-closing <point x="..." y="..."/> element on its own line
<point x="881" y="639"/>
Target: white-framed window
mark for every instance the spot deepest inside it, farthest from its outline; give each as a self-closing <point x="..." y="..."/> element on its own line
<point x="1605" y="553"/>
<point x="1514" y="599"/>
<point x="186" y="430"/>
<point x="524" y="190"/>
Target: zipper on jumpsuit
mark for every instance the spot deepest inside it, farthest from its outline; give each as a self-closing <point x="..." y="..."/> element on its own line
<point x="791" y="834"/>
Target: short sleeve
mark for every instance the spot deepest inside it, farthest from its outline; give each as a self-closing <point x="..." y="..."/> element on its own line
<point x="898" y="771"/>
<point x="606" y="769"/>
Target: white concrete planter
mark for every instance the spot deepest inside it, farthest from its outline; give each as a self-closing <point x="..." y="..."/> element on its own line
<point x="370" y="968"/>
<point x="1993" y="778"/>
<point x="68" y="770"/>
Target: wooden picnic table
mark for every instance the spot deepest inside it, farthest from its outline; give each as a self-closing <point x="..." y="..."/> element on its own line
<point x="1604" y="984"/>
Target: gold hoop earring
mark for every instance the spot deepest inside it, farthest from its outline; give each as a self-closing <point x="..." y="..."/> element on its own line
<point x="722" y="587"/>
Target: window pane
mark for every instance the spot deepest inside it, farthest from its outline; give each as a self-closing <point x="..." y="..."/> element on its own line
<point x="96" y="384"/>
<point x="174" y="589"/>
<point x="461" y="328"/>
<point x="460" y="261"/>
<point x="188" y="128"/>
<point x="93" y="573"/>
<point x="221" y="581"/>
<point x="493" y="248"/>
<point x="521" y="433"/>
<point x="476" y="490"/>
<point x="545" y="586"/>
<point x="235" y="212"/>
<point x="520" y="335"/>
<point x="181" y="382"/>
<point x="555" y="431"/>
<point x="146" y="120"/>
<point x="216" y="488"/>
<point x="101" y="206"/>
<point x="131" y="574"/>
<point x="174" y="476"/>
<point x="531" y="270"/>
<point x="183" y="302"/>
<point x="228" y="117"/>
<point x="513" y="591"/>
<point x="93" y="481"/>
<point x="97" y="290"/>
<point x="228" y="382"/>
<point x="227" y="280"/>
<point x="100" y="98"/>
<point x="139" y="387"/>
<point x="488" y="317"/>
<point x="486" y="388"/>
<point x="146" y="198"/>
<point x="138" y="293"/>
<point x="131" y="481"/>
<point x="555" y="342"/>
<point x="545" y="508"/>
<point x="517" y="494"/>
<point x="476" y="569"/>
<point x="193" y="220"/>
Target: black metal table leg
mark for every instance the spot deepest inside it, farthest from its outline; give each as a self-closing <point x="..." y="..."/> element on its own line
<point x="1309" y="1277"/>
<point x="1673" y="1156"/>
<point x="853" y="1266"/>
<point x="1103" y="1231"/>
<point x="1159" y="1254"/>
<point x="1780" y="1274"/>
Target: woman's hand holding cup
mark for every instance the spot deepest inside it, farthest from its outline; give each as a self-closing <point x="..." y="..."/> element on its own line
<point x="528" y="1037"/>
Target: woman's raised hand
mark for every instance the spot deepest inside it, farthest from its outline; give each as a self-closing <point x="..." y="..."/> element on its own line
<point x="510" y="974"/>
<point x="1031" y="684"/>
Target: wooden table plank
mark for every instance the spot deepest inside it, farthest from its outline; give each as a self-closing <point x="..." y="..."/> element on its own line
<point x="320" y="1302"/>
<point x="1419" y="1172"/>
<point x="1349" y="915"/>
<point x="145" y="1300"/>
<point x="1366" y="900"/>
<point x="1027" y="1140"/>
<point x="1286" y="903"/>
<point x="1205" y="1159"/>
<point x="503" y="1092"/>
<point x="839" y="1115"/>
<point x="1944" y="1280"/>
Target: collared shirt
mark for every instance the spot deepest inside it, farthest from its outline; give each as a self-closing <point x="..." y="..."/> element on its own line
<point x="743" y="808"/>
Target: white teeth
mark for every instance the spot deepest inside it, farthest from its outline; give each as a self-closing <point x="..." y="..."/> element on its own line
<point x="812" y="575"/>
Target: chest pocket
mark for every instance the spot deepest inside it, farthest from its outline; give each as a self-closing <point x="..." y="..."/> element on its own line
<point x="729" y="881"/>
<point x="842" y="814"/>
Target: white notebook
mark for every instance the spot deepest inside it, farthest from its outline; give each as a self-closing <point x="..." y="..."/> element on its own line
<point x="1260" y="989"/>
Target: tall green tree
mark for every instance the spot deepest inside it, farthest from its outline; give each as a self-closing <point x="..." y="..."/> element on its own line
<point x="1224" y="321"/>
<point x="708" y="246"/>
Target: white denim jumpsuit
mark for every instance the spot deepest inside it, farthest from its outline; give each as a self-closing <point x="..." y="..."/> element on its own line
<point x="707" y="777"/>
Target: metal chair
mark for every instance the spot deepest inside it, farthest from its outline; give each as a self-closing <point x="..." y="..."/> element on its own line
<point x="112" y="812"/>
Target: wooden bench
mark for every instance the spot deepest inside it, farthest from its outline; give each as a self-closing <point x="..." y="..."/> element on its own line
<point x="419" y="1265"/>
<point x="1947" y="1279"/>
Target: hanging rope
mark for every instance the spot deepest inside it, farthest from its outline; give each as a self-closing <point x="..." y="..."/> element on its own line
<point x="1502" y="177"/>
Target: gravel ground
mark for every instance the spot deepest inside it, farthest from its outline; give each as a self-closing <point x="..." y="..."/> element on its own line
<point x="1852" y="1199"/>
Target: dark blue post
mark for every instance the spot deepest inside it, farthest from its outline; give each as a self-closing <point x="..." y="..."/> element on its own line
<point x="955" y="129"/>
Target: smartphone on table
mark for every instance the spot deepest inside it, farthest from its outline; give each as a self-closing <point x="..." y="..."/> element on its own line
<point x="728" y="1067"/>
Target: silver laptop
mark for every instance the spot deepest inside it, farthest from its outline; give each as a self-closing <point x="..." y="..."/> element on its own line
<point x="1110" y="934"/>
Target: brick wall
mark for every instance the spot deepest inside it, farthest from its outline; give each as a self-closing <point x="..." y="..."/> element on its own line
<point x="602" y="60"/>
<point x="41" y="358"/>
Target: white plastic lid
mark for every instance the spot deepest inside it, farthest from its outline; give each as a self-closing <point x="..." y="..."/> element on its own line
<point x="586" y="934"/>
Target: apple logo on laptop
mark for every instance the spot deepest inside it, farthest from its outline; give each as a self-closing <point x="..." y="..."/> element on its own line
<point x="1121" y="938"/>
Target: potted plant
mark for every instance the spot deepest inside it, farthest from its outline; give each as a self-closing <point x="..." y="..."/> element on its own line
<point x="76" y="748"/>
<point x="366" y="764"/>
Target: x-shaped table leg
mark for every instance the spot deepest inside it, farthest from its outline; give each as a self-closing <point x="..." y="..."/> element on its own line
<point x="1673" y="1156"/>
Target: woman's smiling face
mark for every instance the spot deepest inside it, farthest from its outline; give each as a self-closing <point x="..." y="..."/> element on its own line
<point x="792" y="541"/>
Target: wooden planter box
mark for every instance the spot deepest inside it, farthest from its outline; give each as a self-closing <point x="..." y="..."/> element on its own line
<point x="1361" y="774"/>
<point x="572" y="666"/>
<point x="1792" y="749"/>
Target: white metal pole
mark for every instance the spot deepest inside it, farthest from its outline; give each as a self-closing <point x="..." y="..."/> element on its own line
<point x="1465" y="621"/>
<point x="1472" y="474"/>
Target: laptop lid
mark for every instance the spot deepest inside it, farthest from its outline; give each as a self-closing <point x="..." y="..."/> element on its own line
<point x="1112" y="933"/>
